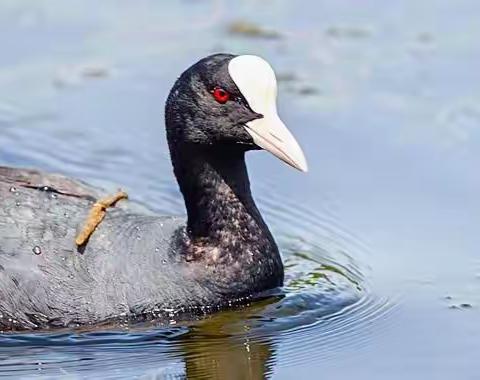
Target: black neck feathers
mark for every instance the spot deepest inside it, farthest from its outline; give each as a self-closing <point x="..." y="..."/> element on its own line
<point x="224" y="225"/>
<point x="214" y="182"/>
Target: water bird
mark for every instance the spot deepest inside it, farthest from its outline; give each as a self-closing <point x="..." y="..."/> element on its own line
<point x="136" y="265"/>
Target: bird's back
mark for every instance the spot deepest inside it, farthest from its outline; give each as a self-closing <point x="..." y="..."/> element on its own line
<point x="45" y="279"/>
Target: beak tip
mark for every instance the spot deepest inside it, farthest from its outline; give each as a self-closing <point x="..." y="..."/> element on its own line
<point x="300" y="162"/>
<point x="303" y="167"/>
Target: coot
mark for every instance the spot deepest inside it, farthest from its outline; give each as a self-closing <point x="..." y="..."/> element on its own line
<point x="138" y="265"/>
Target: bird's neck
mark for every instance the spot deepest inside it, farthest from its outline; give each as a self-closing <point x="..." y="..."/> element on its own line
<point x="224" y="227"/>
<point x="216" y="189"/>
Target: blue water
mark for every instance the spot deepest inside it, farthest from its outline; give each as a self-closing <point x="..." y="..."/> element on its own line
<point x="380" y="239"/>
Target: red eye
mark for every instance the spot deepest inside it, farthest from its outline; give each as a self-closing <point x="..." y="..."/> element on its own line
<point x="221" y="95"/>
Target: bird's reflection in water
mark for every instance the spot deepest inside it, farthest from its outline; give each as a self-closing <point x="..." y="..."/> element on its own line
<point x="224" y="346"/>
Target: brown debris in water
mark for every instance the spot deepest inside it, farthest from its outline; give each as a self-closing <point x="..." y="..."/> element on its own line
<point x="287" y="77"/>
<point x="308" y="90"/>
<point x="425" y="38"/>
<point x="348" y="31"/>
<point x="252" y="30"/>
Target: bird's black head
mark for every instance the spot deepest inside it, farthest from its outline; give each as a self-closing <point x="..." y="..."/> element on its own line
<point x="206" y="107"/>
<point x="229" y="101"/>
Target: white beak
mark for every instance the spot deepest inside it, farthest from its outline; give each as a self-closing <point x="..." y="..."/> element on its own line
<point x="272" y="135"/>
<point x="256" y="80"/>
